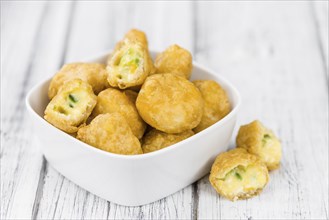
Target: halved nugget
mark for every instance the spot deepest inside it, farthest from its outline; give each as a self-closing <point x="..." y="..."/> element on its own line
<point x="110" y="132"/>
<point x="112" y="100"/>
<point x="176" y="60"/>
<point x="130" y="63"/>
<point x="93" y="73"/>
<point x="259" y="140"/>
<point x="217" y="104"/>
<point x="236" y="174"/>
<point x="170" y="103"/>
<point x="155" y="140"/>
<point x="72" y="105"/>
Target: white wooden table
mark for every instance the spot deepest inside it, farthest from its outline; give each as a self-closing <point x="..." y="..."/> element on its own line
<point x="276" y="53"/>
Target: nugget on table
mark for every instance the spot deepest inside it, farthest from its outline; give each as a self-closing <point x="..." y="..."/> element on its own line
<point x="261" y="141"/>
<point x="236" y="174"/>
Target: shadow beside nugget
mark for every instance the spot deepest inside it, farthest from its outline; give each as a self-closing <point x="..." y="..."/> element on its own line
<point x="134" y="94"/>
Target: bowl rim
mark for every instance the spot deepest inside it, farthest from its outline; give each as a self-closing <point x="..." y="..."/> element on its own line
<point x="154" y="153"/>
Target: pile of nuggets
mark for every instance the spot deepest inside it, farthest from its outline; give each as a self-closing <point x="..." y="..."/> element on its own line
<point x="133" y="105"/>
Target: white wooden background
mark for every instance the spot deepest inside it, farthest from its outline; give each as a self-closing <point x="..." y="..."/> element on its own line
<point x="276" y="53"/>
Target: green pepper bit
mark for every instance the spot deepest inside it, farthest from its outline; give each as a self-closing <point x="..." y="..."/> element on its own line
<point x="238" y="175"/>
<point x="73" y="98"/>
<point x="266" y="137"/>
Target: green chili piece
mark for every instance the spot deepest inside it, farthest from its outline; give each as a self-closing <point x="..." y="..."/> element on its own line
<point x="237" y="175"/>
<point x="73" y="98"/>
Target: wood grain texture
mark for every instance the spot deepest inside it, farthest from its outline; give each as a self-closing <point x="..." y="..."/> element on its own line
<point x="275" y="53"/>
<point x="273" y="59"/>
<point x="319" y="10"/>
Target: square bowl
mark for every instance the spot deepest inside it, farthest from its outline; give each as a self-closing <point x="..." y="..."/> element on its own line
<point x="133" y="180"/>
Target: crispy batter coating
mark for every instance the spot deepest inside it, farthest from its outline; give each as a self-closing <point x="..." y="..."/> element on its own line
<point x="236" y="174"/>
<point x="170" y="103"/>
<point x="132" y="95"/>
<point x="259" y="140"/>
<point x="110" y="132"/>
<point x="156" y="140"/>
<point x="135" y="35"/>
<point x="130" y="63"/>
<point x="176" y="60"/>
<point x="72" y="105"/>
<point x="217" y="104"/>
<point x="93" y="73"/>
<point x="112" y="100"/>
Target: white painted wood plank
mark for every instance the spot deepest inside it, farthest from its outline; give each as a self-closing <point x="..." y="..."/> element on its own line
<point x="62" y="199"/>
<point x="269" y="51"/>
<point x="321" y="15"/>
<point x="26" y="51"/>
<point x="67" y="199"/>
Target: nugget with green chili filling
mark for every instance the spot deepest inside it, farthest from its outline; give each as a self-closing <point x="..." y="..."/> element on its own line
<point x="71" y="106"/>
<point x="93" y="73"/>
<point x="236" y="174"/>
<point x="261" y="141"/>
<point x="130" y="63"/>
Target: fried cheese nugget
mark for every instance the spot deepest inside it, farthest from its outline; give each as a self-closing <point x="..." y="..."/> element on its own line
<point x="112" y="100"/>
<point x="93" y="73"/>
<point x="156" y="140"/>
<point x="236" y="174"/>
<point x="110" y="132"/>
<point x="176" y="60"/>
<point x="170" y="103"/>
<point x="132" y="95"/>
<point x="216" y="106"/>
<point x="71" y="106"/>
<point x="130" y="63"/>
<point x="259" y="140"/>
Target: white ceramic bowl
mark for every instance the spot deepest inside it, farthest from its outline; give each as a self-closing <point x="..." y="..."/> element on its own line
<point x="139" y="179"/>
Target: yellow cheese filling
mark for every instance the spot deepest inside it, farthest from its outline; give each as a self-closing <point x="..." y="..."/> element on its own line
<point x="128" y="63"/>
<point x="242" y="180"/>
<point x="271" y="149"/>
<point x="72" y="105"/>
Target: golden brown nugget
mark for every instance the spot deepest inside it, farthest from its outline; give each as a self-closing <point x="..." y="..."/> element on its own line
<point x="174" y="60"/>
<point x="72" y="105"/>
<point x="170" y="103"/>
<point x="135" y="35"/>
<point x="110" y="132"/>
<point x="112" y="100"/>
<point x="156" y="140"/>
<point x="132" y="95"/>
<point x="93" y="73"/>
<point x="130" y="63"/>
<point x="237" y="174"/>
<point x="259" y="140"/>
<point x="217" y="104"/>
